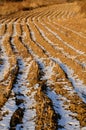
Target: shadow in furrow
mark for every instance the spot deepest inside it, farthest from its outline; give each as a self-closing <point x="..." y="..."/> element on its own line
<point x="5" y="29"/>
<point x="12" y="45"/>
<point x="16" y="120"/>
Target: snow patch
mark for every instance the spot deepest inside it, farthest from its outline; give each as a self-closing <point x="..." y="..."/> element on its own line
<point x="67" y="120"/>
<point x="8" y="108"/>
<point x="20" y="89"/>
<point x="4" y="67"/>
<point x="80" y="88"/>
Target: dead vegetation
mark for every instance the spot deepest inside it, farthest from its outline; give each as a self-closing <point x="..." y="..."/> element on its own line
<point x="9" y="7"/>
<point x="82" y="4"/>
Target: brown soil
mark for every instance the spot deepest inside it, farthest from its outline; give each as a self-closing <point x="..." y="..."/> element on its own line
<point x="44" y="35"/>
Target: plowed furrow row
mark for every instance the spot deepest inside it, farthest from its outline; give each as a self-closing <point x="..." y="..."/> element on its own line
<point x="70" y="33"/>
<point x="78" y="28"/>
<point x="76" y="32"/>
<point x="3" y="29"/>
<point x="42" y="64"/>
<point x="62" y="30"/>
<point x="65" y="48"/>
<point x="54" y="53"/>
<point x="21" y="102"/>
<point x="65" y="38"/>
<point x="47" y="107"/>
<point x="48" y="82"/>
<point x="22" y="99"/>
<point x="8" y="66"/>
<point x="19" y="116"/>
<point x="19" y="93"/>
<point x="37" y="55"/>
<point x="58" y="40"/>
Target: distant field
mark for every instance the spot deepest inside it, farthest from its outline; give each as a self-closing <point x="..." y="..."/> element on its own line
<point x="9" y="7"/>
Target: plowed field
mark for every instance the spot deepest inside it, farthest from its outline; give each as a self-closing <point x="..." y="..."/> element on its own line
<point x="43" y="69"/>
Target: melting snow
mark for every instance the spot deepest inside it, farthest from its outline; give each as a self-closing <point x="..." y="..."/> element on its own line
<point x="80" y="88"/>
<point x="8" y="108"/>
<point x="66" y="121"/>
<point x="77" y="83"/>
<point x="20" y="87"/>
<point x="4" y="67"/>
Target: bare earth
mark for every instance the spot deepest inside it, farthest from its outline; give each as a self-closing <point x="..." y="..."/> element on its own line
<point x="43" y="69"/>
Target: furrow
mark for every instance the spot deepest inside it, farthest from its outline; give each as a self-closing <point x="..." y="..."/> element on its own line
<point x="62" y="36"/>
<point x="55" y="53"/>
<point x="7" y="71"/>
<point x="67" y="90"/>
<point x="3" y="29"/>
<point x="69" y="33"/>
<point x="39" y="123"/>
<point x="69" y="51"/>
<point x="24" y="98"/>
<point x="62" y="24"/>
<point x="76" y="27"/>
<point x="19" y="105"/>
